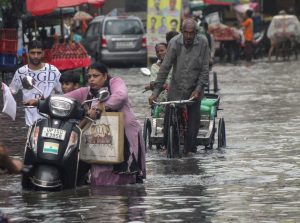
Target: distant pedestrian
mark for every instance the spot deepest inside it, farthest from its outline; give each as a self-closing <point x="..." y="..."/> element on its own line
<point x="248" y="34"/>
<point x="76" y="35"/>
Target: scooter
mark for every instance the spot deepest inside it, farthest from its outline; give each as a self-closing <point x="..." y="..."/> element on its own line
<point x="53" y="144"/>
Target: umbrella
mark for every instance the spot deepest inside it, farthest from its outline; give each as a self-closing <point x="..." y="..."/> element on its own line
<point x="80" y="16"/>
<point x="244" y="7"/>
<point x="39" y="7"/>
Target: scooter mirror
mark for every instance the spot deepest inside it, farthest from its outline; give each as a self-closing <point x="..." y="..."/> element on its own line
<point x="145" y="71"/>
<point x="28" y="82"/>
<point x="103" y="95"/>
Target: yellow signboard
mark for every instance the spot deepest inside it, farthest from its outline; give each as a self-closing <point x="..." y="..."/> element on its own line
<point x="163" y="16"/>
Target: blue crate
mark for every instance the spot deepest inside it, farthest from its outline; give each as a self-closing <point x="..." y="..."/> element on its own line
<point x="8" y="60"/>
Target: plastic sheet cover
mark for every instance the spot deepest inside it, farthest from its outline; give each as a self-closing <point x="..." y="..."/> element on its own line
<point x="284" y="26"/>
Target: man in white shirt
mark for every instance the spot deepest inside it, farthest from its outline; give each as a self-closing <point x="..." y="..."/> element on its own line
<point x="46" y="78"/>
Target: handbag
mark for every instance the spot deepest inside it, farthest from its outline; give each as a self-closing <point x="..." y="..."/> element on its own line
<point x="102" y="141"/>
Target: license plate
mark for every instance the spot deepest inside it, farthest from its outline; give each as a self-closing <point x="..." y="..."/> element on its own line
<point x="53" y="133"/>
<point x="122" y="45"/>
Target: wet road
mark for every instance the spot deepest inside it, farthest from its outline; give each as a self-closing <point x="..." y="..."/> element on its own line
<point x="256" y="179"/>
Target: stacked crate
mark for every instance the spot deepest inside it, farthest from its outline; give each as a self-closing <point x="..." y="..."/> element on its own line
<point x="8" y="47"/>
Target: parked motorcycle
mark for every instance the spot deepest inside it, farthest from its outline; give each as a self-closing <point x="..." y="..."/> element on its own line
<point x="53" y="144"/>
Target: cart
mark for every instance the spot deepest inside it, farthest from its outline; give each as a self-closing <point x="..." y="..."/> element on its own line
<point x="284" y="34"/>
<point x="153" y="126"/>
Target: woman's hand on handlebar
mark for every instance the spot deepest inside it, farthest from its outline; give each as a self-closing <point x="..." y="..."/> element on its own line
<point x="94" y="113"/>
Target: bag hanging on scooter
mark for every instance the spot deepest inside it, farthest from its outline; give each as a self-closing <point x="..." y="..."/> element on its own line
<point x="102" y="142"/>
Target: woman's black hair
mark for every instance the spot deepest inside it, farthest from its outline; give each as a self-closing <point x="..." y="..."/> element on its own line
<point x="99" y="67"/>
<point x="35" y="44"/>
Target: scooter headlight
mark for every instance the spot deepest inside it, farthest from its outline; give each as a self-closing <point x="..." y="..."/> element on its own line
<point x="61" y="106"/>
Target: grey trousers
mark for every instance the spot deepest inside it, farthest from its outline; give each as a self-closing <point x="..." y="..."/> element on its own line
<point x="193" y="126"/>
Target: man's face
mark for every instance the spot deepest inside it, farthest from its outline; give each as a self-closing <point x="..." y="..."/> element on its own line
<point x="161" y="51"/>
<point x="189" y="33"/>
<point x="35" y="56"/>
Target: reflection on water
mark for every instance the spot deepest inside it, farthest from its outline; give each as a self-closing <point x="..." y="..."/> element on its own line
<point x="256" y="179"/>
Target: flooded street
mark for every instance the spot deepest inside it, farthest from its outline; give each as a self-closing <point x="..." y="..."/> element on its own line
<point x="256" y="179"/>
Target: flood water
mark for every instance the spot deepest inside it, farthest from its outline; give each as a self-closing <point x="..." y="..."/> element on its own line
<point x="256" y="179"/>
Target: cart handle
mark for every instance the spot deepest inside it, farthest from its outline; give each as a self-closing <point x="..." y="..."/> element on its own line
<point x="174" y="102"/>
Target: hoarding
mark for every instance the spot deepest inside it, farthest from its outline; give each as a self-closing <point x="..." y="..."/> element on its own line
<point x="163" y="16"/>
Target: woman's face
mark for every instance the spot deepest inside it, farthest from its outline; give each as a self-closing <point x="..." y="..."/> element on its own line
<point x="161" y="51"/>
<point x="96" y="79"/>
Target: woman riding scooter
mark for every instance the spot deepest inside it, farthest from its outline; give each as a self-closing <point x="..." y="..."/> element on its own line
<point x="133" y="169"/>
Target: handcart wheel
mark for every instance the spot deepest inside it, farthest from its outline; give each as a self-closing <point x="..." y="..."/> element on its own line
<point x="212" y="140"/>
<point x="147" y="134"/>
<point x="171" y="143"/>
<point x="215" y="81"/>
<point x="221" y="134"/>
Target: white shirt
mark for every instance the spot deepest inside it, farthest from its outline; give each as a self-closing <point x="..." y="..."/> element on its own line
<point x="46" y="79"/>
